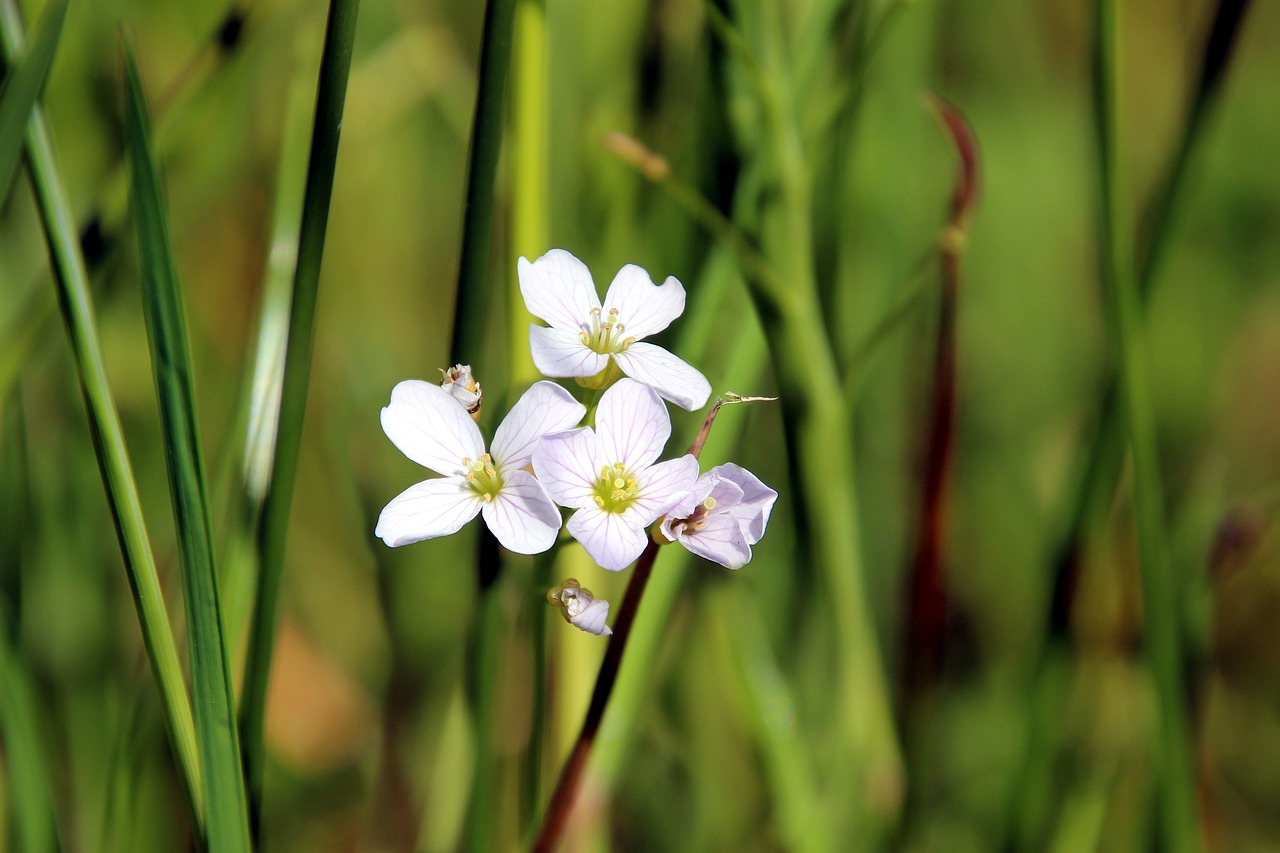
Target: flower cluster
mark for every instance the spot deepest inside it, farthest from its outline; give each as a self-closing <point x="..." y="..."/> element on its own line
<point x="541" y="458"/>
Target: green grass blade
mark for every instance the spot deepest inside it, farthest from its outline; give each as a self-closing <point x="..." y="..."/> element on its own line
<point x="226" y="825"/>
<point x="22" y="86"/>
<point x="335" y="67"/>
<point x="1175" y="780"/>
<point x="72" y="280"/>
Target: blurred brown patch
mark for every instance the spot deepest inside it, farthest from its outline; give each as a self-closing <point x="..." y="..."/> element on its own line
<point x="318" y="717"/>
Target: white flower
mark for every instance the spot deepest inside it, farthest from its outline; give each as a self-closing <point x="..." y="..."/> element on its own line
<point x="722" y="516"/>
<point x="581" y="609"/>
<point x="463" y="387"/>
<point x="607" y="473"/>
<point x="429" y="427"/>
<point x="594" y="343"/>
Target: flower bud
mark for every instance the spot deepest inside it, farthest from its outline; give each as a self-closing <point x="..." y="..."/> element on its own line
<point x="463" y="387"/>
<point x="580" y="608"/>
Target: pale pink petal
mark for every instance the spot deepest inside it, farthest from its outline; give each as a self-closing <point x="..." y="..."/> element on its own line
<point x="752" y="512"/>
<point x="672" y="378"/>
<point x="426" y="510"/>
<point x="660" y="487"/>
<point x="686" y="503"/>
<point x="543" y="409"/>
<point x="633" y="425"/>
<point x="557" y="288"/>
<point x="430" y="427"/>
<point x="720" y="540"/>
<point x="592" y="618"/>
<point x="610" y="541"/>
<point x="560" y="354"/>
<point x="522" y="517"/>
<point x="644" y="309"/>
<point x="568" y="465"/>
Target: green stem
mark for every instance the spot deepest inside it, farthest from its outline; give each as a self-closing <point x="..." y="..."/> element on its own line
<point x="335" y="67"/>
<point x="1175" y="779"/>
<point x="72" y="280"/>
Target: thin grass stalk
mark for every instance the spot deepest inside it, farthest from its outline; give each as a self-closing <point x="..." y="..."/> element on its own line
<point x="474" y="293"/>
<point x="21" y="87"/>
<point x="1160" y="589"/>
<point x="530" y="185"/>
<point x="819" y="435"/>
<point x="226" y="826"/>
<point x="331" y="92"/>
<point x="473" y="306"/>
<point x="259" y="414"/>
<point x="72" y="282"/>
<point x="530" y="176"/>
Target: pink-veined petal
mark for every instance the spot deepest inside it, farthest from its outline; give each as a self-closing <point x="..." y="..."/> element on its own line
<point x="757" y="501"/>
<point x="592" y="618"/>
<point x="686" y="503"/>
<point x="426" y="510"/>
<point x="430" y="427"/>
<point x="672" y="378"/>
<point x="659" y="488"/>
<point x="521" y="516"/>
<point x="557" y="288"/>
<point x="610" y="541"/>
<point x="568" y="464"/>
<point x="644" y="309"/>
<point x="544" y="408"/>
<point x="559" y="353"/>
<point x="720" y="540"/>
<point x="633" y="425"/>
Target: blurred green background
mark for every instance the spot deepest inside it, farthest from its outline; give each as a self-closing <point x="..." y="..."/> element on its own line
<point x="1026" y="738"/>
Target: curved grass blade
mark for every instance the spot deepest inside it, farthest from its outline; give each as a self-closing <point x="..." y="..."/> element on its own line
<point x="226" y="824"/>
<point x="335" y="67"/>
<point x="22" y="87"/>
<point x="72" y="280"/>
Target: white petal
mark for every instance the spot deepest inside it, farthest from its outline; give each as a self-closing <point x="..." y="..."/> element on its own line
<point x="522" y="517"/>
<point x="609" y="540"/>
<point x="543" y="409"/>
<point x="426" y="510"/>
<point x="592" y="618"/>
<point x="643" y="308"/>
<point x="430" y="427"/>
<point x="633" y="425"/>
<point x="720" y="540"/>
<point x="557" y="288"/>
<point x="560" y="353"/>
<point x="568" y="464"/>
<point x="757" y="501"/>
<point x="672" y="378"/>
<point x="658" y="488"/>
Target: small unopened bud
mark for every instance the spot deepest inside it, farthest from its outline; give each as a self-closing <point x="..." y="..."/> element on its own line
<point x="580" y="608"/>
<point x="463" y="387"/>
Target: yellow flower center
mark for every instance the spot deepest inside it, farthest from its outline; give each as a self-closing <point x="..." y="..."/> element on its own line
<point x="616" y="489"/>
<point x="606" y="337"/>
<point x="483" y="477"/>
<point x="697" y="519"/>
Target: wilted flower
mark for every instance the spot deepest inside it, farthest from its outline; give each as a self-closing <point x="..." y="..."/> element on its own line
<point x="722" y="516"/>
<point x="462" y="386"/>
<point x="580" y="608"/>
<point x="607" y="473"/>
<point x="429" y="427"/>
<point x="597" y="343"/>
